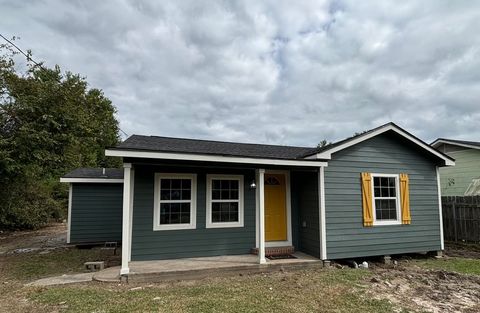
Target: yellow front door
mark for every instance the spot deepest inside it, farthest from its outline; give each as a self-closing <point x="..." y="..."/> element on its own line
<point x="275" y="208"/>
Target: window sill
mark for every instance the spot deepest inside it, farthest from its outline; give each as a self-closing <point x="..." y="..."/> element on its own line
<point x="173" y="227"/>
<point x="386" y="223"/>
<point x="224" y="225"/>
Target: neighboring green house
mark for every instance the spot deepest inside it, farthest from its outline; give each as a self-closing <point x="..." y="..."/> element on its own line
<point x="374" y="194"/>
<point x="464" y="178"/>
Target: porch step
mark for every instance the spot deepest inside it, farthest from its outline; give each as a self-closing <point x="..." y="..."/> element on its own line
<point x="273" y="251"/>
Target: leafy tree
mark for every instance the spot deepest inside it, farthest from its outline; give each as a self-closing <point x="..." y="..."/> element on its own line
<point x="50" y="123"/>
<point x="323" y="143"/>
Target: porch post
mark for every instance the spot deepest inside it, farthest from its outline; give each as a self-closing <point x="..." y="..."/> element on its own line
<point x="321" y="207"/>
<point x="261" y="215"/>
<point x="127" y="216"/>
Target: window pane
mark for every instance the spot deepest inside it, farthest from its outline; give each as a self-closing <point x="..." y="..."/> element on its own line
<point x="224" y="212"/>
<point x="165" y="194"/>
<point x="225" y="194"/>
<point x="186" y="194"/>
<point x="175" y="195"/>
<point x="216" y="194"/>
<point x="174" y="213"/>
<point x="216" y="184"/>
<point x="234" y="194"/>
<point x="165" y="183"/>
<point x="176" y="183"/>
<point x="234" y="184"/>
<point x="392" y="192"/>
<point x="385" y="209"/>
<point x="391" y="181"/>
<point x="376" y="181"/>
<point x="186" y="184"/>
<point x="384" y="192"/>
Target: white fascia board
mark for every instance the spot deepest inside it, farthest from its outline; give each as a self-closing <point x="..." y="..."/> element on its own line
<point x="436" y="143"/>
<point x="209" y="158"/>
<point x="327" y="155"/>
<point x="91" y="180"/>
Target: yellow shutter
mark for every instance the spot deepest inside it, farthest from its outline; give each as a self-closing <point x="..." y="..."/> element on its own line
<point x="367" y="199"/>
<point x="405" y="199"/>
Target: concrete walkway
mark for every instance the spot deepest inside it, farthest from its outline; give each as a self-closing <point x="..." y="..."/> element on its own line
<point x="196" y="268"/>
<point x="64" y="279"/>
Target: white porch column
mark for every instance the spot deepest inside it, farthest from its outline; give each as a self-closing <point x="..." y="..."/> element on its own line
<point x="127" y="216"/>
<point x="261" y="215"/>
<point x="69" y="216"/>
<point x="321" y="206"/>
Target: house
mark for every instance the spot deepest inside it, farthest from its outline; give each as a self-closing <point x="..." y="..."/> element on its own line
<point x="373" y="194"/>
<point x="464" y="178"/>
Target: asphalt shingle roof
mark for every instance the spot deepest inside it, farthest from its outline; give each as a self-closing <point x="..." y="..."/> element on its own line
<point x="194" y="146"/>
<point x="461" y="142"/>
<point x="110" y="173"/>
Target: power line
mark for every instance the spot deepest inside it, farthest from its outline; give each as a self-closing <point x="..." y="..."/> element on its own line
<point x="29" y="58"/>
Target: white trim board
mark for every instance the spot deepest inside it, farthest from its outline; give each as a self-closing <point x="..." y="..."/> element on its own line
<point x="210" y="158"/>
<point x="69" y="214"/>
<point x="438" y="142"/>
<point x="327" y="154"/>
<point x="92" y="180"/>
<point x="440" y="213"/>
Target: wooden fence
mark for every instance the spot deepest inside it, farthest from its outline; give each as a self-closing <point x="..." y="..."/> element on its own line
<point x="461" y="218"/>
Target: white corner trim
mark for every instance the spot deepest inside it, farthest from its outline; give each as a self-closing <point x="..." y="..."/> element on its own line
<point x="209" y="158"/>
<point x="438" y="142"/>
<point x="69" y="213"/>
<point x="193" y="202"/>
<point x="241" y="210"/>
<point x="322" y="215"/>
<point x="261" y="215"/>
<point x="92" y="180"/>
<point x="440" y="210"/>
<point x="126" y="220"/>
<point x="327" y="154"/>
<point x="398" y="221"/>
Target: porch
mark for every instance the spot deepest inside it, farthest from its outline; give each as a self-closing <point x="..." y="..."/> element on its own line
<point x="275" y="207"/>
<point x="197" y="268"/>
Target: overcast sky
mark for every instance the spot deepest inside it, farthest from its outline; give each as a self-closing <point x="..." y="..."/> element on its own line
<point x="281" y="72"/>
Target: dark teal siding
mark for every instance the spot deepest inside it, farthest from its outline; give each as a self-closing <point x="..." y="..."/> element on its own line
<point x="167" y="244"/>
<point x="96" y="213"/>
<point x="305" y="212"/>
<point x="387" y="153"/>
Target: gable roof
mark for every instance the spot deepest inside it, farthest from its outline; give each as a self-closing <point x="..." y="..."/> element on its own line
<point x="92" y="175"/>
<point x="461" y="143"/>
<point x="327" y="151"/>
<point x="185" y="145"/>
<point x="157" y="147"/>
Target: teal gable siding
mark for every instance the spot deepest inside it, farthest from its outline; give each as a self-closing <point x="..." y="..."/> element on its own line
<point x="390" y="154"/>
<point x="96" y="213"/>
<point x="148" y="244"/>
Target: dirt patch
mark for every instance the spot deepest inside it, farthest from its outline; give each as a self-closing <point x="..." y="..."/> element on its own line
<point x="462" y="250"/>
<point x="50" y="237"/>
<point x="427" y="290"/>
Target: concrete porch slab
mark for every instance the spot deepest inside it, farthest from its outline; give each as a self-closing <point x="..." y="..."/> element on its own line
<point x="197" y="268"/>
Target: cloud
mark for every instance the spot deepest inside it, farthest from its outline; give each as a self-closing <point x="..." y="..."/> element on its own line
<point x="269" y="71"/>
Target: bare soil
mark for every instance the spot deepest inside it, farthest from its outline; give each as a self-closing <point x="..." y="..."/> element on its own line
<point x="462" y="250"/>
<point x="50" y="237"/>
<point x="419" y="289"/>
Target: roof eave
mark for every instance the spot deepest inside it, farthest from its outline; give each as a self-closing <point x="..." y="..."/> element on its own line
<point x="116" y="152"/>
<point x="438" y="142"/>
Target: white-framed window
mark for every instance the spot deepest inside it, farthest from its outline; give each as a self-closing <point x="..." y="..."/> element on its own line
<point x="175" y="201"/>
<point x="386" y="199"/>
<point x="224" y="201"/>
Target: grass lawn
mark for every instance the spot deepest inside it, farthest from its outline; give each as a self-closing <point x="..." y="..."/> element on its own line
<point x="31" y="266"/>
<point x="309" y="290"/>
<point x="459" y="265"/>
<point x="321" y="290"/>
